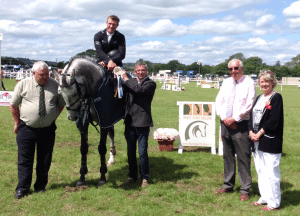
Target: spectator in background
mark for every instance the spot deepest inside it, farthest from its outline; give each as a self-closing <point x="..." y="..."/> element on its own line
<point x="2" y="84"/>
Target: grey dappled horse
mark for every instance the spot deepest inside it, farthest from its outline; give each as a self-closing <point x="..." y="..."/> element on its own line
<point x="77" y="84"/>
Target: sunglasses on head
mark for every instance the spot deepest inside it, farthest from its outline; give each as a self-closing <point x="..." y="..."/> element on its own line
<point x="235" y="68"/>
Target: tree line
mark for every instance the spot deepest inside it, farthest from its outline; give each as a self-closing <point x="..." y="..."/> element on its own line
<point x="252" y="65"/>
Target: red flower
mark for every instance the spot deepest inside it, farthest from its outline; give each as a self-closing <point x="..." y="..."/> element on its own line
<point x="269" y="107"/>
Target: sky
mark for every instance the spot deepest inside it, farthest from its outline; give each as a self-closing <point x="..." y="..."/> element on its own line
<point x="158" y="31"/>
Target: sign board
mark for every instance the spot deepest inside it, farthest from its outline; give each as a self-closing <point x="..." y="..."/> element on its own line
<point x="174" y="88"/>
<point x="197" y="124"/>
<point x="168" y="87"/>
<point x="5" y="98"/>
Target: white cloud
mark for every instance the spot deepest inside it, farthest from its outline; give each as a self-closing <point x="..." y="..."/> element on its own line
<point x="293" y="10"/>
<point x="293" y="13"/>
<point x="294" y="22"/>
<point x="264" y="20"/>
<point x="258" y="41"/>
<point x="100" y="9"/>
<point x="220" y="26"/>
<point x="218" y="40"/>
<point x="158" y="31"/>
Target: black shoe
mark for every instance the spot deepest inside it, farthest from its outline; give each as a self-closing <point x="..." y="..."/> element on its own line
<point x="19" y="194"/>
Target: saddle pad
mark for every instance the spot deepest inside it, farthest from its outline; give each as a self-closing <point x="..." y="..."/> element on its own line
<point x="109" y="109"/>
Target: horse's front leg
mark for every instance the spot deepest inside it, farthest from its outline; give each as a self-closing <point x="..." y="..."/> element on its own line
<point x="112" y="153"/>
<point x="102" y="151"/>
<point x="84" y="150"/>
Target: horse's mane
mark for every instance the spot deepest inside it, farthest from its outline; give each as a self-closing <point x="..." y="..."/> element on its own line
<point x="92" y="60"/>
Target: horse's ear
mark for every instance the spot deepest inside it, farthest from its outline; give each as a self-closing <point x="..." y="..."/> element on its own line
<point x="62" y="81"/>
<point x="72" y="76"/>
<point x="55" y="74"/>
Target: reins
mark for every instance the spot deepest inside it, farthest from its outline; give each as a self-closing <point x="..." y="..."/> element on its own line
<point x="84" y="109"/>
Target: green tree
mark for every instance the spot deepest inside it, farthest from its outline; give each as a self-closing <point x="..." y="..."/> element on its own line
<point x="10" y="61"/>
<point x="283" y="71"/>
<point x="252" y="65"/>
<point x="239" y="56"/>
<point x="150" y="67"/>
<point x="293" y="62"/>
<point x="295" y="71"/>
<point x="156" y="68"/>
<point x="220" y="69"/>
<point x="140" y="60"/>
<point x="61" y="64"/>
<point x="194" y="67"/>
<point x="90" y="52"/>
<point x="173" y="65"/>
<point x="206" y="69"/>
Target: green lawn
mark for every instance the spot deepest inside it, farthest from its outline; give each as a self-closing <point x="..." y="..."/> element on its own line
<point x="180" y="184"/>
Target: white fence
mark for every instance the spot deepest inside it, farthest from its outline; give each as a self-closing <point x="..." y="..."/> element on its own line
<point x="17" y="74"/>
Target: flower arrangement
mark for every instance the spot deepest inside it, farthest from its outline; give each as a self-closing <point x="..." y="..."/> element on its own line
<point x="166" y="134"/>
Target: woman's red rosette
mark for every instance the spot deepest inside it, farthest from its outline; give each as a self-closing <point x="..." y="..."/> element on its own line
<point x="268" y="106"/>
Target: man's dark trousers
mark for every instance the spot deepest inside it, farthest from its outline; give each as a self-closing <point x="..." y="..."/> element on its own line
<point x="140" y="135"/>
<point x="237" y="142"/>
<point x="27" y="138"/>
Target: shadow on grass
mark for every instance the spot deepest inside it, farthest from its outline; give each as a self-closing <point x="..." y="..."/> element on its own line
<point x="289" y="198"/>
<point x="194" y="149"/>
<point x="162" y="169"/>
<point x="71" y="187"/>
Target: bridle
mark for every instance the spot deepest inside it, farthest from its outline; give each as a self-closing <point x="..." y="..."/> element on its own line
<point x="79" y="92"/>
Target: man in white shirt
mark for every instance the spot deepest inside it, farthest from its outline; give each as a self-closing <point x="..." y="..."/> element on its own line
<point x="233" y="105"/>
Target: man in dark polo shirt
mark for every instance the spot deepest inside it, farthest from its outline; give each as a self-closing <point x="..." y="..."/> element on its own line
<point x="110" y="39"/>
<point x="35" y="126"/>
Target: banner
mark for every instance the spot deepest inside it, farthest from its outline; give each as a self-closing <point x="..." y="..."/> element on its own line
<point x="5" y="98"/>
<point x="197" y="124"/>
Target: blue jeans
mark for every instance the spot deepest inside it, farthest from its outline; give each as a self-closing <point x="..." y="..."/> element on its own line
<point x="132" y="135"/>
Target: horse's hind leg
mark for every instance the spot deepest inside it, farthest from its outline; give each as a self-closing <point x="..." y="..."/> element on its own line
<point x="102" y="151"/>
<point x="84" y="150"/>
<point x="112" y="153"/>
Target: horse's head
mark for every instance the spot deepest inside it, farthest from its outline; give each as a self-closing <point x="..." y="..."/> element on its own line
<point x="77" y="82"/>
<point x="70" y="90"/>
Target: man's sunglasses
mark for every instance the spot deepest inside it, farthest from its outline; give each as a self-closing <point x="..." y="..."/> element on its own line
<point x="235" y="68"/>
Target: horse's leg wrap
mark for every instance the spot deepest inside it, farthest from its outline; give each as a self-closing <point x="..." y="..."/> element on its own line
<point x="111" y="134"/>
<point x="84" y="150"/>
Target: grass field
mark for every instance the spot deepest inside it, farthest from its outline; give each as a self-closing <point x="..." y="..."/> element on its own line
<point x="179" y="184"/>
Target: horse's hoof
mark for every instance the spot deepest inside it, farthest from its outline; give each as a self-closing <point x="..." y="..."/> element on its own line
<point x="101" y="182"/>
<point x="80" y="183"/>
